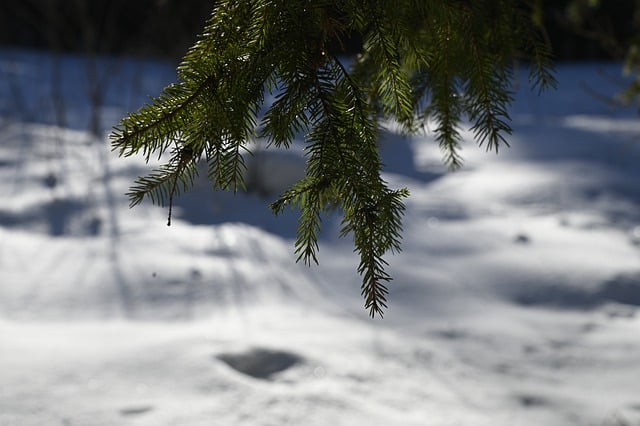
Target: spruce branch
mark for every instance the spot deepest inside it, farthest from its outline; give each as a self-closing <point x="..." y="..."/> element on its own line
<point x="419" y="61"/>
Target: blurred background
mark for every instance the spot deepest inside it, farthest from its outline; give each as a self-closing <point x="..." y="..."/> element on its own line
<point x="161" y="28"/>
<point x="578" y="29"/>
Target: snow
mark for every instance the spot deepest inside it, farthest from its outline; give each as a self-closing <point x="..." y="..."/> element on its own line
<point x="515" y="299"/>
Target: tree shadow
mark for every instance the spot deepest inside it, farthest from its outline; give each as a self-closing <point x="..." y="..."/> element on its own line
<point x="622" y="289"/>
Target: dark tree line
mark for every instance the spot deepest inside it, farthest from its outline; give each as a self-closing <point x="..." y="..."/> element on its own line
<point x="163" y="28"/>
<point x="168" y="27"/>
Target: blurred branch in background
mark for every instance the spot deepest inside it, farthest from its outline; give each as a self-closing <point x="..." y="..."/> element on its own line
<point x="592" y="29"/>
<point x="612" y="30"/>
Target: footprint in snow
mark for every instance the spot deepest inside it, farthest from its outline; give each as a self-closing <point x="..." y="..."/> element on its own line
<point x="135" y="410"/>
<point x="260" y="363"/>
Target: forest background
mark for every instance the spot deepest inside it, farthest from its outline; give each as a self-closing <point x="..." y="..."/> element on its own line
<point x="579" y="30"/>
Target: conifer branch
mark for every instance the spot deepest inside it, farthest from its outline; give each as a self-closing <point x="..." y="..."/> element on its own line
<point x="420" y="61"/>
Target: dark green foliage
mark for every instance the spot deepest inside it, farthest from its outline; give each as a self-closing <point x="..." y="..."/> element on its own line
<point x="614" y="27"/>
<point x="421" y="61"/>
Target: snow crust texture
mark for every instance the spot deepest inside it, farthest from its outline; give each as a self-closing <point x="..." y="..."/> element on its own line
<point x="515" y="301"/>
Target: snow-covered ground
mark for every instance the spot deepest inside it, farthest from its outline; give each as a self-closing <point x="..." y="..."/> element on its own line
<point x="515" y="301"/>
